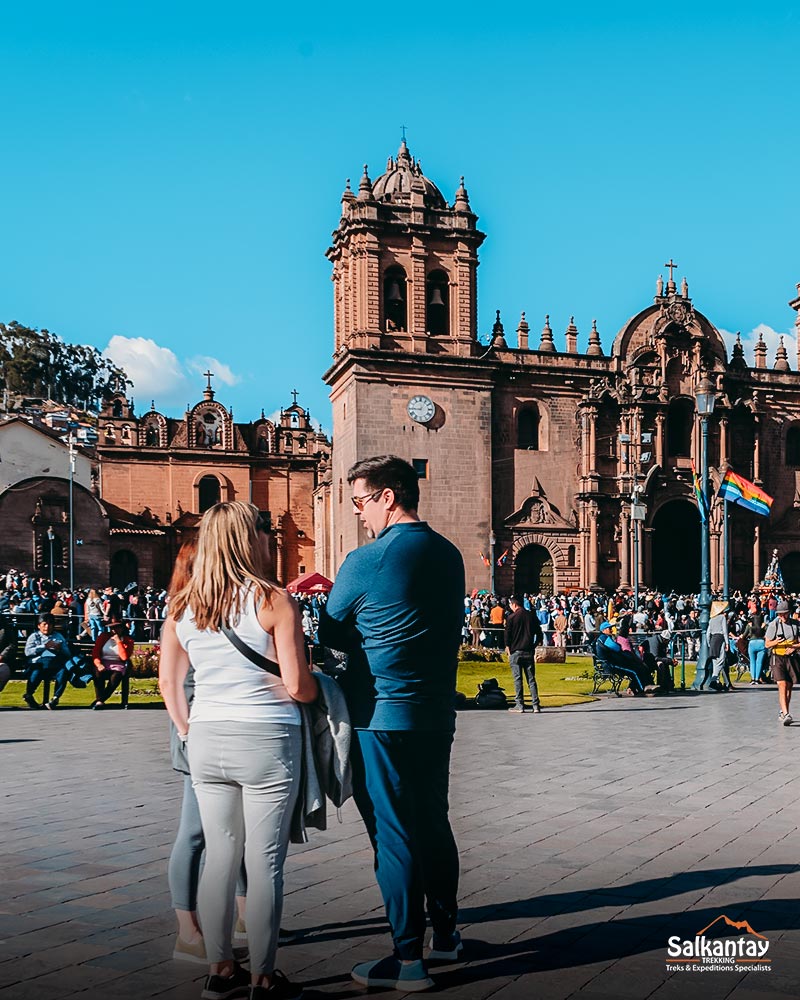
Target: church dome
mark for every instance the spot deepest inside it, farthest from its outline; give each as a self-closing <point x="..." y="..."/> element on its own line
<point x="403" y="178"/>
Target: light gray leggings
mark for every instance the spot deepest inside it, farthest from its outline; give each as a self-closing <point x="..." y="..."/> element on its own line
<point x="186" y="858"/>
<point x="246" y="778"/>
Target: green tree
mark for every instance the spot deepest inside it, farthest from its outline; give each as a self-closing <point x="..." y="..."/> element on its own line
<point x="39" y="363"/>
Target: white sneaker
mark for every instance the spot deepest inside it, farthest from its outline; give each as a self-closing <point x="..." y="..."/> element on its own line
<point x="787" y="719"/>
<point x="445" y="951"/>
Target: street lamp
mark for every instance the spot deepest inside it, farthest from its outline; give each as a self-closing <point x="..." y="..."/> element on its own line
<point x="492" y="543"/>
<point x="705" y="397"/>
<point x="51" y="535"/>
<point x="71" y="518"/>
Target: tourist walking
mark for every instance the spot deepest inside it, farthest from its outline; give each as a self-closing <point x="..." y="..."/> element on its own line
<point x="523" y="634"/>
<point x="396" y="607"/>
<point x="782" y="639"/>
<point x="244" y="740"/>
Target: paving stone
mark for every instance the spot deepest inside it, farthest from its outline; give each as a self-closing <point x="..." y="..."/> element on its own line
<point x="586" y="840"/>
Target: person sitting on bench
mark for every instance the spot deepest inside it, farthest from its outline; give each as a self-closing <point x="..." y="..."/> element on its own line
<point x="47" y="652"/>
<point x="609" y="652"/>
<point x="110" y="656"/>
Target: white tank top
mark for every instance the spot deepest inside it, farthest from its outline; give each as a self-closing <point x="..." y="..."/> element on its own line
<point x="228" y="687"/>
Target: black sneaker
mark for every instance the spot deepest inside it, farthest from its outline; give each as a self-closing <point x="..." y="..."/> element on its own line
<point x="279" y="989"/>
<point x="52" y="704"/>
<point x="30" y="701"/>
<point x="237" y="984"/>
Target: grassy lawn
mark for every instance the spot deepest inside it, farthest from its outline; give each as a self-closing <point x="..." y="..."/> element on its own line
<point x="567" y="683"/>
<point x="555" y="688"/>
<point x="144" y="693"/>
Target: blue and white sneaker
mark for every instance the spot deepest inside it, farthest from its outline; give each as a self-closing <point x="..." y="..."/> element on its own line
<point x="445" y="949"/>
<point x="393" y="974"/>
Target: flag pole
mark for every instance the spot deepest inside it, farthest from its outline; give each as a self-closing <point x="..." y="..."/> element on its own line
<point x="726" y="552"/>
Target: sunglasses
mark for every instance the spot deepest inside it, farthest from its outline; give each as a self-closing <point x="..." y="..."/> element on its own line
<point x="360" y="502"/>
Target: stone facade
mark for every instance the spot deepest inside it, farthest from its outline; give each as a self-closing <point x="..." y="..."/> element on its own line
<point x="166" y="472"/>
<point x="148" y="483"/>
<point x="530" y="453"/>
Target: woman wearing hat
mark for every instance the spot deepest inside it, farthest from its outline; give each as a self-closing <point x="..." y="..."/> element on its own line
<point x="782" y="639"/>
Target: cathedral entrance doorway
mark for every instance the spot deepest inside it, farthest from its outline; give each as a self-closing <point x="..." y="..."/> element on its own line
<point x="124" y="568"/>
<point x="676" y="548"/>
<point x="533" y="571"/>
<point x="790" y="571"/>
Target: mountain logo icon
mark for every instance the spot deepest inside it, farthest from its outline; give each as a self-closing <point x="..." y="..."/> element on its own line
<point x="736" y="925"/>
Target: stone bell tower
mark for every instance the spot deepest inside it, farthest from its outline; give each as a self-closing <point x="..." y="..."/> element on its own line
<point x="407" y="376"/>
<point x="404" y="264"/>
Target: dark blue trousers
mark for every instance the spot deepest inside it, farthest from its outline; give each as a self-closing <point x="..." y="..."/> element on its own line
<point x="402" y="793"/>
<point x="53" y="669"/>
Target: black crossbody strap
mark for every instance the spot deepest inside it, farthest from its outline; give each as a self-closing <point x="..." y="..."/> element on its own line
<point x="260" y="661"/>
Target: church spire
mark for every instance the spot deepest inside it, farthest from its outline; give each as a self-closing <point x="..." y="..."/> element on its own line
<point x="462" y="199"/>
<point x="595" y="348"/>
<point x="498" y="338"/>
<point x="760" y="351"/>
<point x="571" y="336"/>
<point x="522" y="333"/>
<point x="365" y="187"/>
<point x="546" y="343"/>
<point x="781" y="357"/>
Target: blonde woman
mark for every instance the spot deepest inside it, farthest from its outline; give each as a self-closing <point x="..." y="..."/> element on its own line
<point x="244" y="740"/>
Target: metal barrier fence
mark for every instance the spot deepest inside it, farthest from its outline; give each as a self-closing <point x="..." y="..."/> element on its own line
<point x="682" y="645"/>
<point x="75" y="628"/>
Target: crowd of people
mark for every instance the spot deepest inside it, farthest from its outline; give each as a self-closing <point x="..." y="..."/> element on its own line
<point x="261" y="737"/>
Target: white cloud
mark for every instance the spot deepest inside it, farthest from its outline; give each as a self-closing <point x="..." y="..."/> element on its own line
<point x="771" y="339"/>
<point x="200" y="364"/>
<point x="155" y="371"/>
<point x="158" y="374"/>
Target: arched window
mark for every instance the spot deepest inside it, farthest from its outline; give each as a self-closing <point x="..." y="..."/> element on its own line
<point x="395" y="308"/>
<point x="528" y="428"/>
<point x="571" y="555"/>
<point x="126" y="432"/>
<point x="680" y="419"/>
<point x="117" y="408"/>
<point x="151" y="436"/>
<point x="793" y="446"/>
<point x="208" y="493"/>
<point x="287" y="443"/>
<point x="437" y="304"/>
<point x="302" y="444"/>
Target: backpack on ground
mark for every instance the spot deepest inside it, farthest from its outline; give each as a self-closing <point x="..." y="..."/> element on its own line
<point x="491" y="695"/>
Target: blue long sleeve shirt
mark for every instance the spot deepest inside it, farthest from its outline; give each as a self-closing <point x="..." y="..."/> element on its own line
<point x="397" y="608"/>
<point x="36" y="651"/>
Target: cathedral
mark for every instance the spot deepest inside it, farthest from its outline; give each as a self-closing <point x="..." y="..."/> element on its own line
<point x="123" y="513"/>
<point x="552" y="469"/>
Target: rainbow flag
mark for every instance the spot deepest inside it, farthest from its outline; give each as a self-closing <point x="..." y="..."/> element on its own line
<point x="737" y="489"/>
<point x="700" y="497"/>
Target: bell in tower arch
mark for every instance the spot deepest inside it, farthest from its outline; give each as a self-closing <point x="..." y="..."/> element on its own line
<point x="437" y="299"/>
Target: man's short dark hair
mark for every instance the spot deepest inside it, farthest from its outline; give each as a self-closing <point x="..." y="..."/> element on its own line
<point x="388" y="472"/>
<point x="45" y="617"/>
<point x="514" y="599"/>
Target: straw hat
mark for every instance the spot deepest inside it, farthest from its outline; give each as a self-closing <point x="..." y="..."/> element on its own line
<point x="718" y="607"/>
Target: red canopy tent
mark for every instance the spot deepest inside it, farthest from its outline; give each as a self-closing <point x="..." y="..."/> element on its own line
<point x="310" y="583"/>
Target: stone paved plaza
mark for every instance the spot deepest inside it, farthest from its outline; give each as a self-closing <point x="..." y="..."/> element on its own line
<point x="588" y="837"/>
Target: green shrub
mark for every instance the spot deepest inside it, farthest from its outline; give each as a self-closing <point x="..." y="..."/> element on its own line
<point x="469" y="654"/>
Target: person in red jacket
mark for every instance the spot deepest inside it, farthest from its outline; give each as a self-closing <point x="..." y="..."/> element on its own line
<point x="112" y="651"/>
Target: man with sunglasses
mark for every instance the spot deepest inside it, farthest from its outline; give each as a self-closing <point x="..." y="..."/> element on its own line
<point x="397" y="608"/>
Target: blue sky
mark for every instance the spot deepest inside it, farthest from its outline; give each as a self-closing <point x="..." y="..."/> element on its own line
<point x="171" y="172"/>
